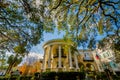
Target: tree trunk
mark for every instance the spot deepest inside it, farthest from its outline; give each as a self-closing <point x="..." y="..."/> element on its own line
<point x="11" y="65"/>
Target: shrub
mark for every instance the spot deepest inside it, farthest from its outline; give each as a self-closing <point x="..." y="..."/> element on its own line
<point x="25" y="78"/>
<point x="62" y="75"/>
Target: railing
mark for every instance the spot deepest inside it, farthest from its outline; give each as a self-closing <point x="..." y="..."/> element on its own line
<point x="56" y="56"/>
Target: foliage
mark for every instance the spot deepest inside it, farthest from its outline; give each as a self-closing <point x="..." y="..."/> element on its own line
<point x="27" y="67"/>
<point x="16" y="77"/>
<point x="116" y="48"/>
<point x="18" y="33"/>
<point x="13" y="61"/>
<point x="24" y="69"/>
<point x="111" y="42"/>
<point x="62" y="75"/>
<point x="117" y="44"/>
<point x="22" y="22"/>
<point x="82" y="20"/>
<point x="3" y="60"/>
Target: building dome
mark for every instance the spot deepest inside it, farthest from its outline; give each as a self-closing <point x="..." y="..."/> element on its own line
<point x="57" y="41"/>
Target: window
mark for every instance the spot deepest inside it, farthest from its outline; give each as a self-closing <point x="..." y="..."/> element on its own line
<point x="57" y="65"/>
<point x="62" y="64"/>
<point x="87" y="56"/>
<point x="62" y="52"/>
<point x="57" y="52"/>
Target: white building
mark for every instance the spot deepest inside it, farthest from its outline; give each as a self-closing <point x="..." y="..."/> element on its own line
<point x="104" y="59"/>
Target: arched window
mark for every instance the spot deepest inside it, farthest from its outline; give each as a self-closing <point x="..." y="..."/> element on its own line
<point x="90" y="67"/>
<point x="81" y="66"/>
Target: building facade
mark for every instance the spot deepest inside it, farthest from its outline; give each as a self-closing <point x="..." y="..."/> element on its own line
<point x="106" y="59"/>
<point x="60" y="55"/>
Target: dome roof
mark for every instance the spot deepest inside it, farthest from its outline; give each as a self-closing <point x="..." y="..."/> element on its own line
<point x="58" y="41"/>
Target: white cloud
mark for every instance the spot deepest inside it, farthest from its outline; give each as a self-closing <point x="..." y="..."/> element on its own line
<point x="37" y="55"/>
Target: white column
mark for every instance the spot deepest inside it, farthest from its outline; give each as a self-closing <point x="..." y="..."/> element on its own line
<point x="49" y="58"/>
<point x="43" y="63"/>
<point x="76" y="60"/>
<point x="70" y="58"/>
<point x="59" y="60"/>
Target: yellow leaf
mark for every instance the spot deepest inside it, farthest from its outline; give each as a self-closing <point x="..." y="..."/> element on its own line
<point x="82" y="9"/>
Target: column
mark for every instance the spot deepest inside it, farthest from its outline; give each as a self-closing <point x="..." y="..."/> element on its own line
<point x="49" y="58"/>
<point x="76" y="60"/>
<point x="43" y="63"/>
<point x="59" y="60"/>
<point x="70" y="58"/>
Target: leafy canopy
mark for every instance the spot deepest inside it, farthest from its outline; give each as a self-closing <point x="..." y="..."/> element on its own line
<point x="18" y="31"/>
<point x="82" y="20"/>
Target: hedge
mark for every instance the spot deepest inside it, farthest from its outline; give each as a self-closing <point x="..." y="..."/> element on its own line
<point x="62" y="75"/>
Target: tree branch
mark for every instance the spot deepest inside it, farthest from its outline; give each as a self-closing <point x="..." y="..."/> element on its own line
<point x="60" y="1"/>
<point x="107" y="15"/>
<point x="110" y="2"/>
<point x="109" y="5"/>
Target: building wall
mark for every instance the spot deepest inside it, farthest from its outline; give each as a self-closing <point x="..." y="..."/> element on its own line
<point x="71" y="59"/>
<point x="106" y="59"/>
<point x="87" y="58"/>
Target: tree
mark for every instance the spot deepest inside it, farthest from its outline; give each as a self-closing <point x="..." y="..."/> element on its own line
<point x="13" y="61"/>
<point x="82" y="20"/>
<point x="24" y="69"/>
<point x="18" y="33"/>
<point x="16" y="29"/>
<point x="116" y="48"/>
<point x="2" y="60"/>
<point x="30" y="60"/>
<point x="111" y="42"/>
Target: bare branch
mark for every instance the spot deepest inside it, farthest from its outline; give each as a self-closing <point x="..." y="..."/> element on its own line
<point x="26" y="6"/>
<point x="6" y="36"/>
<point x="107" y="15"/>
<point x="79" y="10"/>
<point x="110" y="2"/>
<point x="60" y="1"/>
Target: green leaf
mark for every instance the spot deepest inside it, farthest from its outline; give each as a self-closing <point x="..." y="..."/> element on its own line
<point x="19" y="49"/>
